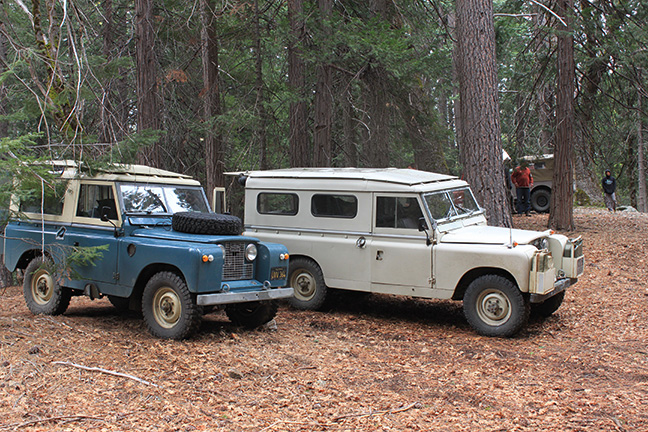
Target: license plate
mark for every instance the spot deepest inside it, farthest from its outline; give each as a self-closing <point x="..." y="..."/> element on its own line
<point x="278" y="273"/>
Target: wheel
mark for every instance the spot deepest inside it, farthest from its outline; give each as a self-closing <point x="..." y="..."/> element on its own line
<point x="168" y="307"/>
<point x="251" y="315"/>
<point x="494" y="306"/>
<point x="306" y="277"/>
<point x="540" y="200"/>
<point x="43" y="294"/>
<point x="549" y="306"/>
<point x="206" y="223"/>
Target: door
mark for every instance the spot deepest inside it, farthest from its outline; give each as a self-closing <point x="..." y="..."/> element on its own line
<point x="401" y="259"/>
<point x="89" y="231"/>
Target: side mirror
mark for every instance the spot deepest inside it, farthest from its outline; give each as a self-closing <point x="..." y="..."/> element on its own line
<point x="105" y="212"/>
<point x="422" y="226"/>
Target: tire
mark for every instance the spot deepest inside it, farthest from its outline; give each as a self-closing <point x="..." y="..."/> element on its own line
<point x="251" y="315"/>
<point x="494" y="306"/>
<point x="168" y="307"/>
<point x="306" y="277"/>
<point x="43" y="294"/>
<point x="549" y="306"/>
<point x="541" y="200"/>
<point x="206" y="223"/>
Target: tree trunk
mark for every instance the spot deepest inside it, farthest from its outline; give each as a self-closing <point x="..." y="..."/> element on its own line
<point x="105" y="107"/>
<point x="323" y="99"/>
<point x="260" y="99"/>
<point x="377" y="148"/>
<point x="147" y="88"/>
<point x="214" y="154"/>
<point x="3" y="91"/>
<point x="642" y="205"/>
<point x="299" y="155"/>
<point x="349" y="136"/>
<point x="480" y="145"/>
<point x="562" y="217"/>
<point x="376" y="81"/>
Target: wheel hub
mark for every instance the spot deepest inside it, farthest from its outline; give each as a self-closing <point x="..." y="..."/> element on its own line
<point x="42" y="288"/>
<point x="305" y="285"/>
<point x="493" y="307"/>
<point x="167" y="308"/>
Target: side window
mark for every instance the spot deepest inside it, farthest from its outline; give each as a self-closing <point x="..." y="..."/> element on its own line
<point x="285" y="204"/>
<point x="397" y="212"/>
<point x="95" y="199"/>
<point x="50" y="200"/>
<point x="334" y="206"/>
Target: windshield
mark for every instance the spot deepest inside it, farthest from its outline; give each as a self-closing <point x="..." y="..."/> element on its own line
<point x="451" y="203"/>
<point x="162" y="199"/>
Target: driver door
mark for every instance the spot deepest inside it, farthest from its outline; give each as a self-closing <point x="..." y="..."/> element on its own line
<point x="401" y="259"/>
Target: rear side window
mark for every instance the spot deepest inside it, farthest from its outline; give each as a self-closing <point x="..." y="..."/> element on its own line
<point x="49" y="199"/>
<point x="285" y="204"/>
<point x="334" y="206"/>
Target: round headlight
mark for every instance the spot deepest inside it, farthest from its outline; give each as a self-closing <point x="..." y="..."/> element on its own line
<point x="541" y="243"/>
<point x="251" y="252"/>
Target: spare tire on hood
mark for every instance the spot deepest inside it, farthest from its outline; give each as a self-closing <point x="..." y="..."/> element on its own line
<point x="206" y="223"/>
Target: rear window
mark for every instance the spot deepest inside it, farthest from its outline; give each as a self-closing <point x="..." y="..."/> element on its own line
<point x="334" y="206"/>
<point x="284" y="204"/>
<point x="48" y="199"/>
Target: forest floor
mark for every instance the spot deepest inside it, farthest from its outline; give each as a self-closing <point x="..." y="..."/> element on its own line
<point x="381" y="364"/>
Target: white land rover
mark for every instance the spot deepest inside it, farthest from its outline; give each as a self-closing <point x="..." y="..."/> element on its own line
<point x="407" y="232"/>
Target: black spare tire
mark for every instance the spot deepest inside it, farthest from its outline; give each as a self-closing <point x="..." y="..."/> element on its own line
<point x="206" y="223"/>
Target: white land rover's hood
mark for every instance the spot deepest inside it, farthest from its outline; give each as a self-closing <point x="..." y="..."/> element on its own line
<point x="490" y="235"/>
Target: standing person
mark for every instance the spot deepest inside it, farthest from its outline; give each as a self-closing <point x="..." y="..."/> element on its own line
<point x="523" y="180"/>
<point x="609" y="189"/>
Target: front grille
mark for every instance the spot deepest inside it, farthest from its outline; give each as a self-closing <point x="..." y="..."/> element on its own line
<point x="580" y="266"/>
<point x="235" y="266"/>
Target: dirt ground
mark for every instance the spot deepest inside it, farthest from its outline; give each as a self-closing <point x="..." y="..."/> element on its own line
<point x="379" y="364"/>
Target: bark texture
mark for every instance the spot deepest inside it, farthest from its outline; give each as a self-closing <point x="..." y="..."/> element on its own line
<point x="562" y="211"/>
<point x="147" y="88"/>
<point x="480" y="142"/>
<point x="214" y="153"/>
<point x="642" y="205"/>
<point x="298" y="115"/>
<point x="323" y="99"/>
<point x="260" y="92"/>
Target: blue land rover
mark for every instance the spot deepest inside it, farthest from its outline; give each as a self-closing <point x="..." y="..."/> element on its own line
<point x="156" y="247"/>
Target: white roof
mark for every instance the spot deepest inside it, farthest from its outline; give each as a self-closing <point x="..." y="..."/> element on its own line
<point x="383" y="179"/>
<point x="119" y="172"/>
<point x="388" y="175"/>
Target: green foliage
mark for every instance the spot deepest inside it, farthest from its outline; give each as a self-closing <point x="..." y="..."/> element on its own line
<point x="86" y="110"/>
<point x="81" y="257"/>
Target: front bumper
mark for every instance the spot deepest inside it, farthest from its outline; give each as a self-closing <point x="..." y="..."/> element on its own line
<point x="559" y="286"/>
<point x="244" y="297"/>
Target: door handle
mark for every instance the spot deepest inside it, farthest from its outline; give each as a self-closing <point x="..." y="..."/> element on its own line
<point x="361" y="243"/>
<point x="60" y="234"/>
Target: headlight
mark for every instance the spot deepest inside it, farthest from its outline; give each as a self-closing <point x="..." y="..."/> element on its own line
<point x="251" y="252"/>
<point x="541" y="243"/>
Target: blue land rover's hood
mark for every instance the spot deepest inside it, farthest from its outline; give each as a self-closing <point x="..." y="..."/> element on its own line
<point x="166" y="233"/>
<point x="491" y="235"/>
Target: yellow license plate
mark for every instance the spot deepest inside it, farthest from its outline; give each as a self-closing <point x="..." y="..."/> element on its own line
<point x="278" y="273"/>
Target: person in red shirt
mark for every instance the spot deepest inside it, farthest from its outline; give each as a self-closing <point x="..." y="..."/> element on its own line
<point x="522" y="180"/>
